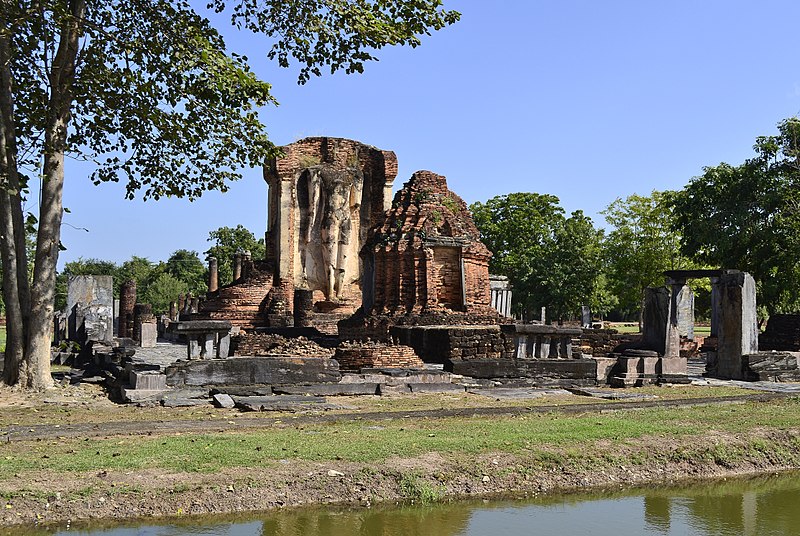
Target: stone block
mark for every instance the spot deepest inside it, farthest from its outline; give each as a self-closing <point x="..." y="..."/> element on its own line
<point x="90" y="308"/>
<point x="149" y="335"/>
<point x="147" y="380"/>
<point x="604" y="367"/>
<point x="142" y="396"/>
<point x="222" y="400"/>
<point x="254" y="370"/>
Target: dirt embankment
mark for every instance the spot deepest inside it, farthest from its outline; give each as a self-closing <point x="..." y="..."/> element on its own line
<point x="56" y="498"/>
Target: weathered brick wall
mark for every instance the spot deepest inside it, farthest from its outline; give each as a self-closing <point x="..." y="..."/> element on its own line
<point x="241" y="303"/>
<point x="355" y="356"/>
<point x="425" y="247"/>
<point x="437" y="344"/>
<point x="601" y="342"/>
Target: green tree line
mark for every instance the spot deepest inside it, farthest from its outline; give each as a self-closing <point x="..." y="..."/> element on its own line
<point x="744" y="217"/>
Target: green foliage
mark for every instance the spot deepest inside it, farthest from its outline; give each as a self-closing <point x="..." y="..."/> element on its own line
<point x="550" y="260"/>
<point x="162" y="290"/>
<point x="417" y="490"/>
<point x="184" y="265"/>
<point x="747" y="217"/>
<point x="227" y="242"/>
<point x="640" y="245"/>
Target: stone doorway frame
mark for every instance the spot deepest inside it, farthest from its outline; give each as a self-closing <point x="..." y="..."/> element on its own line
<point x="733" y="318"/>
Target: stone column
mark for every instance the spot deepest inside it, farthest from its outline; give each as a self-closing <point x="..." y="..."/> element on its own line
<point x="237" y="266"/>
<point x="127" y="300"/>
<point x="672" y="346"/>
<point x="303" y="307"/>
<point x="655" y="319"/>
<point x="173" y="311"/>
<point x="715" y="297"/>
<point x="142" y="312"/>
<point x="738" y="326"/>
<point x="213" y="275"/>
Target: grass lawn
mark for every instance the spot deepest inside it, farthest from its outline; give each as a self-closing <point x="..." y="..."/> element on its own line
<point x="553" y="438"/>
<point x="2" y="338"/>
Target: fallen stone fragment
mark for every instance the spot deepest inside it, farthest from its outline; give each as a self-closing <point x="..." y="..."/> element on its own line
<point x="331" y="472"/>
<point x="222" y="400"/>
<point x="436" y="388"/>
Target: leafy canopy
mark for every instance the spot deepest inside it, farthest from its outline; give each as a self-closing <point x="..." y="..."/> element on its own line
<point x="747" y="217"/>
<point x="550" y="259"/>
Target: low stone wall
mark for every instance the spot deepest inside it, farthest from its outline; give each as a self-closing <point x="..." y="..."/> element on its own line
<point x="771" y="366"/>
<point x="355" y="356"/>
<point x="601" y="342"/>
<point x="438" y="344"/>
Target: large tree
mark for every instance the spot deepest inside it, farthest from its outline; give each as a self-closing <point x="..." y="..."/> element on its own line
<point x="640" y="245"/>
<point x="747" y="217"/>
<point x="145" y="89"/>
<point x="551" y="260"/>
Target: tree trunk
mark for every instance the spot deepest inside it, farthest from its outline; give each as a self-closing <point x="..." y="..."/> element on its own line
<point x="12" y="231"/>
<point x="35" y="373"/>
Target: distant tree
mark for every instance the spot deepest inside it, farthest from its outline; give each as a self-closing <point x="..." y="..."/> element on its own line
<point x="550" y="260"/>
<point x="227" y="242"/>
<point x="186" y="266"/>
<point x="162" y="290"/>
<point x="747" y="217"/>
<point x="640" y="245"/>
<point x="139" y="269"/>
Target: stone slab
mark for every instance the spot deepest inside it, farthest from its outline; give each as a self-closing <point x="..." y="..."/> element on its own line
<point x="610" y="394"/>
<point x="221" y="400"/>
<point x="384" y="389"/>
<point x="518" y="393"/>
<point x="436" y="388"/>
<point x="556" y="369"/>
<point x="328" y="389"/>
<point x="138" y="396"/>
<point x="184" y="402"/>
<point x="281" y="403"/>
<point x="254" y="370"/>
<point x="242" y="390"/>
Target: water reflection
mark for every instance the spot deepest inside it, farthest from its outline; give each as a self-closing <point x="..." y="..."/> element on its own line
<point x="764" y="506"/>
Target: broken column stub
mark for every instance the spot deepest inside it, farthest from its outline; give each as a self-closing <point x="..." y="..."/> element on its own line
<point x="738" y="325"/>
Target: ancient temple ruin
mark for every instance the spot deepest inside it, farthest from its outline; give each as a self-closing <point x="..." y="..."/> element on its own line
<point x="426" y="254"/>
<point x="324" y="195"/>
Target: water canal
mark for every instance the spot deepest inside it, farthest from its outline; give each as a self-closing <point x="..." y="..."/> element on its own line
<point x="762" y="506"/>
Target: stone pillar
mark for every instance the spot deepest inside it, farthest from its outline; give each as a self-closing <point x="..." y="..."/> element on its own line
<point x="685" y="311"/>
<point x="173" y="311"/>
<point x="237" y="266"/>
<point x="213" y="275"/>
<point x="142" y="312"/>
<point x="738" y="326"/>
<point x="672" y="343"/>
<point x="655" y="319"/>
<point x="586" y="316"/>
<point x="181" y="304"/>
<point x="127" y="300"/>
<point x="195" y="305"/>
<point x="715" y="304"/>
<point x="303" y="305"/>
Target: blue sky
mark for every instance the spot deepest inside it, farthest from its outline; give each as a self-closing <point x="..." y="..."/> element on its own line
<point x="585" y="100"/>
